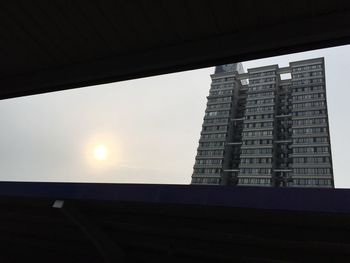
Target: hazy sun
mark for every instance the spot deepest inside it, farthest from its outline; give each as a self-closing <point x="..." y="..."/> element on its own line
<point x="100" y="152"/>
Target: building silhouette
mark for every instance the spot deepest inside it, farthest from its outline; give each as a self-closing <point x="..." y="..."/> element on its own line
<point x="263" y="130"/>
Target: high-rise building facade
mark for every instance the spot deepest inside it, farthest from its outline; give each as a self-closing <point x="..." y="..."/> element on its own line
<point x="263" y="130"/>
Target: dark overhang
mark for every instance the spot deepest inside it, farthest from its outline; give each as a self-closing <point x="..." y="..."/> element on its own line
<point x="55" y="45"/>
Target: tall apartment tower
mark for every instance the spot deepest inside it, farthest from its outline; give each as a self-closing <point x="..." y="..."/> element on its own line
<point x="261" y="130"/>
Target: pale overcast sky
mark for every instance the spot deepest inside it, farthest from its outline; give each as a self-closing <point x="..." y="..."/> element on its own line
<point x="149" y="126"/>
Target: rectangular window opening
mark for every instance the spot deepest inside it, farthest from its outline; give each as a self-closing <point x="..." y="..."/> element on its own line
<point x="272" y="122"/>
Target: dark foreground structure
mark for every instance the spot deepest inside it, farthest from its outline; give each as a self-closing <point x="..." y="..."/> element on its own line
<point x="55" y="45"/>
<point x="65" y="222"/>
<point x="262" y="130"/>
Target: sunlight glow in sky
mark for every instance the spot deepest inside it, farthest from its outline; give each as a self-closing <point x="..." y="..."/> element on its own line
<point x="101" y="152"/>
